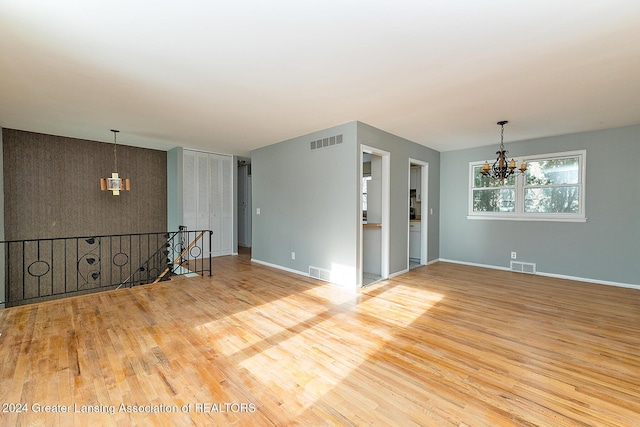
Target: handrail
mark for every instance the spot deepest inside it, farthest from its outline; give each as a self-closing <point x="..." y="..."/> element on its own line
<point x="93" y="236"/>
<point x="180" y="257"/>
<point x="141" y="267"/>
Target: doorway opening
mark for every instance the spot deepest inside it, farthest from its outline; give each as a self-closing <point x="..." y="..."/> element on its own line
<point x="374" y="215"/>
<point x="244" y="206"/>
<point x="418" y="213"/>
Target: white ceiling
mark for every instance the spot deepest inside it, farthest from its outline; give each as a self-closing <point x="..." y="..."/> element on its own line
<point x="237" y="75"/>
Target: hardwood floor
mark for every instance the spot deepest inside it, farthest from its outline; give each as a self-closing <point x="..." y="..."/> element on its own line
<point x="443" y="345"/>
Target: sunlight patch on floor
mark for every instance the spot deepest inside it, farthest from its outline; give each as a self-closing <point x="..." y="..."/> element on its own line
<point x="279" y="367"/>
<point x="334" y="294"/>
<point x="274" y="320"/>
<point x="267" y="349"/>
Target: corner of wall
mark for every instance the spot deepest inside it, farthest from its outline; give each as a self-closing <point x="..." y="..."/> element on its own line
<point x="2" y="283"/>
<point x="174" y="184"/>
<point x="234" y="204"/>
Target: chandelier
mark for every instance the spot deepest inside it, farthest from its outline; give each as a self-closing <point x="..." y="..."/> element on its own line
<point x="115" y="184"/>
<point x="502" y="169"/>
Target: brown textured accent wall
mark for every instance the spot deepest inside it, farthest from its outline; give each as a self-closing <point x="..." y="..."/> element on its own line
<point x="52" y="187"/>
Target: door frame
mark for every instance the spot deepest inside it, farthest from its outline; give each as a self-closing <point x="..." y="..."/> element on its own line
<point x="424" y="208"/>
<point x="386" y="211"/>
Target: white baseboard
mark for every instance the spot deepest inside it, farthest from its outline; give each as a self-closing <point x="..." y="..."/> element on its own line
<point x="474" y="264"/>
<point x="398" y="273"/>
<point x="301" y="273"/>
<point x="279" y="267"/>
<point x="541" y="273"/>
<point x="584" y="279"/>
<point x="406" y="270"/>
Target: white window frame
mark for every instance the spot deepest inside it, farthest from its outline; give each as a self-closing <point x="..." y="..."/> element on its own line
<point x="520" y="214"/>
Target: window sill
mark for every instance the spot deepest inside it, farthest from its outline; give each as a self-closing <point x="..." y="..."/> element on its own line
<point x="529" y="218"/>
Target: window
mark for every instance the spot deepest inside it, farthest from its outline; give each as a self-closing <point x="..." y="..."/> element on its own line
<point x="552" y="189"/>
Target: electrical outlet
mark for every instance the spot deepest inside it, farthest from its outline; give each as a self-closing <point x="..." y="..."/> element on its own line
<point x="513" y="255"/>
<point x="293" y="255"/>
<point x="257" y="211"/>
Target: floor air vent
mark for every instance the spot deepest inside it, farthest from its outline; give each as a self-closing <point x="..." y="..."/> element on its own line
<point x="523" y="267"/>
<point x="319" y="273"/>
<point x="326" y="142"/>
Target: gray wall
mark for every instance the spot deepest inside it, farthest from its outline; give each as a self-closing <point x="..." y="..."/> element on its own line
<point x="308" y="203"/>
<point x="605" y="248"/>
<point x="401" y="150"/>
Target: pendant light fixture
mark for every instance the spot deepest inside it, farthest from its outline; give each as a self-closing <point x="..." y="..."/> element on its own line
<point x="502" y="169"/>
<point x="115" y="184"/>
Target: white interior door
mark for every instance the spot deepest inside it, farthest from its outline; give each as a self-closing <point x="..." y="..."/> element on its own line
<point x="220" y="208"/>
<point x="208" y="198"/>
<point x="227" y="204"/>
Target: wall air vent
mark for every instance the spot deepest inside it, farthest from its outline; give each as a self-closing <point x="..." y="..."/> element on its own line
<point x="523" y="267"/>
<point x="326" y="142"/>
<point x="319" y="273"/>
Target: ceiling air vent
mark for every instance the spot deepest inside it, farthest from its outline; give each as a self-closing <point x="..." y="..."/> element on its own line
<point x="326" y="142"/>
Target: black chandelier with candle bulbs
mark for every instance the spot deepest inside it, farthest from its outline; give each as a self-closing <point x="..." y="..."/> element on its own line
<point x="501" y="169"/>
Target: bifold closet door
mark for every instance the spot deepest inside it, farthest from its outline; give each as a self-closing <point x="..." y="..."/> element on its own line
<point x="221" y="209"/>
<point x="208" y="198"/>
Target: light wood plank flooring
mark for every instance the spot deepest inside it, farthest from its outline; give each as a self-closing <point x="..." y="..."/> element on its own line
<point x="443" y="345"/>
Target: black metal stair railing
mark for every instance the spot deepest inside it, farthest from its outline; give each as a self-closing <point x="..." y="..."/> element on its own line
<point x="182" y="254"/>
<point x="44" y="269"/>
